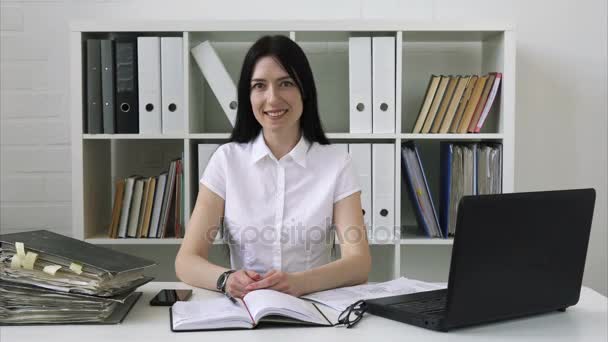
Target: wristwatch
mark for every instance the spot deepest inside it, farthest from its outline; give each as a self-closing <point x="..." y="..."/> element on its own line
<point x="222" y="280"/>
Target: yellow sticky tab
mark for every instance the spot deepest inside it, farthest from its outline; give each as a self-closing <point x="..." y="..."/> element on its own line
<point x="51" y="269"/>
<point x="76" y="268"/>
<point x="30" y="259"/>
<point x="20" y="247"/>
<point x="16" y="261"/>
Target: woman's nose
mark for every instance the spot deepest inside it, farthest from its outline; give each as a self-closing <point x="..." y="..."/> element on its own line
<point x="273" y="94"/>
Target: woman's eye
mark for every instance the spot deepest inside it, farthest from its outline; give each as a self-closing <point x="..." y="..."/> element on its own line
<point x="287" y="83"/>
<point x="257" y="86"/>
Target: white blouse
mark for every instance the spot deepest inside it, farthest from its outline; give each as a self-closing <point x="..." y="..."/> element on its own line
<point x="278" y="213"/>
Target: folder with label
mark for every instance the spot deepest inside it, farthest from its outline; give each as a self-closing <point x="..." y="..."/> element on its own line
<point x="361" y="155"/>
<point x="383" y="192"/>
<point x="360" y="83"/>
<point x="217" y="77"/>
<point x="148" y="56"/>
<point x="383" y="84"/>
<point x="172" y="76"/>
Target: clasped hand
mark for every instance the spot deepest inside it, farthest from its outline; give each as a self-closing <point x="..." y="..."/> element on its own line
<point x="242" y="282"/>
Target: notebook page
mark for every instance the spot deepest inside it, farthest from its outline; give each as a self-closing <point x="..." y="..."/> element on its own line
<point x="270" y="302"/>
<point x="210" y="314"/>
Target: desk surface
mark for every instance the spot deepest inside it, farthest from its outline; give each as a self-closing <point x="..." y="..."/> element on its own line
<point x="587" y="321"/>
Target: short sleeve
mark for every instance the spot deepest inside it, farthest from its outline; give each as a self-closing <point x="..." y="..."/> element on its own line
<point x="214" y="177"/>
<point x="347" y="183"/>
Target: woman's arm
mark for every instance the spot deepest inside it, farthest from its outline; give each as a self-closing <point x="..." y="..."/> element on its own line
<point x="191" y="263"/>
<point x="351" y="269"/>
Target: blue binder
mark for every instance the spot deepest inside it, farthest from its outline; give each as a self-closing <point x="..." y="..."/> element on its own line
<point x="445" y="185"/>
<point x="425" y="194"/>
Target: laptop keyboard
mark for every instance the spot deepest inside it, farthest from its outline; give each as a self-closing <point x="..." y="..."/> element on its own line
<point x="428" y="306"/>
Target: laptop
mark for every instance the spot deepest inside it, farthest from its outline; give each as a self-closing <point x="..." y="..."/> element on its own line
<point x="514" y="255"/>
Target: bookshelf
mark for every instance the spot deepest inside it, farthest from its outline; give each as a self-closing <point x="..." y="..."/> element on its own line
<point x="421" y="50"/>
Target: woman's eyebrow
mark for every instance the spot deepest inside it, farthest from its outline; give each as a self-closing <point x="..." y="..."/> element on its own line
<point x="263" y="80"/>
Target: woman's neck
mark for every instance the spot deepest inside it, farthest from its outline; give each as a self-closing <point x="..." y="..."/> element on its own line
<point x="281" y="143"/>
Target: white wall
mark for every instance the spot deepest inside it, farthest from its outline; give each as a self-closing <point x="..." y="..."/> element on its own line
<point x="561" y="120"/>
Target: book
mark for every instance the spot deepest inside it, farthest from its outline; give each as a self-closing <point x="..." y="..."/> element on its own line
<point x="135" y="208"/>
<point x="463" y="103"/>
<point x="469" y="111"/>
<point x="118" y="195"/>
<point x="148" y="209"/>
<point x="489" y="102"/>
<point x="452" y="108"/>
<point x="482" y="102"/>
<point x="142" y="209"/>
<point x="447" y="98"/>
<point x="260" y="306"/>
<point x="126" y="206"/>
<point x="426" y="104"/>
<point x="157" y="207"/>
<point x="439" y="95"/>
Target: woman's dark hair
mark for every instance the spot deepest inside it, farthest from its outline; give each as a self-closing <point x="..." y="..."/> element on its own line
<point x="292" y="58"/>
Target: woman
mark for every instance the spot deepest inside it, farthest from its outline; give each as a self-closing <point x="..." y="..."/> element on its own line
<point x="280" y="189"/>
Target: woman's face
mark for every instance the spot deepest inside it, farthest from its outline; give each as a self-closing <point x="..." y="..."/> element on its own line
<point x="275" y="97"/>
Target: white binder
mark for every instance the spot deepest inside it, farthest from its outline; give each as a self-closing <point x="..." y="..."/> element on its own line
<point x="361" y="155"/>
<point x="383" y="84"/>
<point x="383" y="192"/>
<point x="205" y="151"/>
<point x="172" y="76"/>
<point x="148" y="72"/>
<point x="360" y="84"/>
<point x="217" y="77"/>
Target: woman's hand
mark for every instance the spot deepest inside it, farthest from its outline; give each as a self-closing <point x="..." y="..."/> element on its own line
<point x="279" y="281"/>
<point x="239" y="280"/>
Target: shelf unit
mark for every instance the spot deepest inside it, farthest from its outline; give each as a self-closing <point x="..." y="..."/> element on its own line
<point x="421" y="50"/>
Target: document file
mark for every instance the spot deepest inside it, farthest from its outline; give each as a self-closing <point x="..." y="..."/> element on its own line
<point x="383" y="82"/>
<point x="360" y="83"/>
<point x="205" y="151"/>
<point x="217" y="77"/>
<point x="383" y="192"/>
<point x="108" y="85"/>
<point x="361" y="155"/>
<point x="172" y="76"/>
<point x="94" y="116"/>
<point x="148" y="55"/>
<point x="127" y="114"/>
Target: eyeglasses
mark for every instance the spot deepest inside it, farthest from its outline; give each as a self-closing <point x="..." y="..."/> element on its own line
<point x="353" y="314"/>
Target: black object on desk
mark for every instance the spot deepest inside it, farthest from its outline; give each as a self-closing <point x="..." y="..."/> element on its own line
<point x="169" y="297"/>
<point x="514" y="255"/>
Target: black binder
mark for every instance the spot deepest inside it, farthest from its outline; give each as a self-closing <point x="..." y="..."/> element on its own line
<point x="67" y="248"/>
<point x="108" y="86"/>
<point x="94" y="122"/>
<point x="127" y="107"/>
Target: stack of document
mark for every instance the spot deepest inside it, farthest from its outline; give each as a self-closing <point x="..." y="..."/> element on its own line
<point x="341" y="298"/>
<point x="49" y="278"/>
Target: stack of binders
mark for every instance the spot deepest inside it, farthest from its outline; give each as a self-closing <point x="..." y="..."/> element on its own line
<point x="135" y="85"/>
<point x="47" y="278"/>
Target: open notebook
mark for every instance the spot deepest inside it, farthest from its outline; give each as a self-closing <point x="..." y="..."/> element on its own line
<point x="256" y="307"/>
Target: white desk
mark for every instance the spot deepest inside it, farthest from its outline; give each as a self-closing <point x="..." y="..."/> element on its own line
<point x="587" y="321"/>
